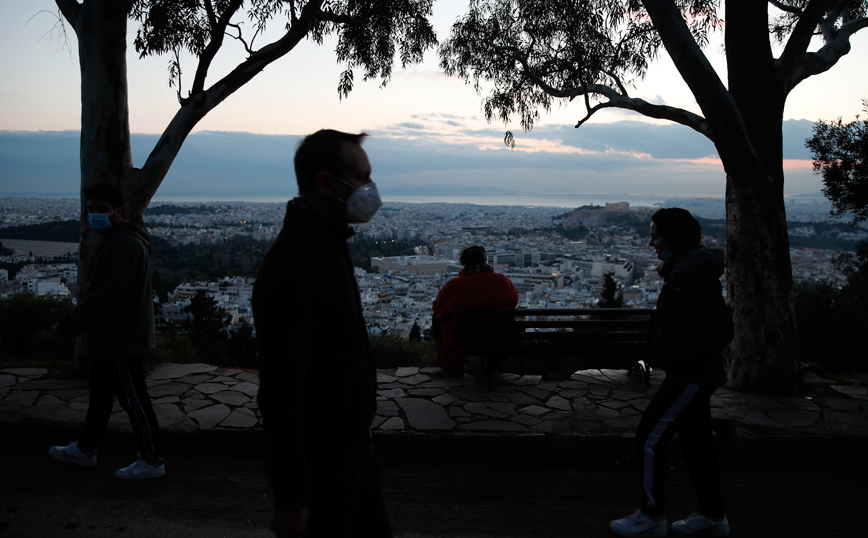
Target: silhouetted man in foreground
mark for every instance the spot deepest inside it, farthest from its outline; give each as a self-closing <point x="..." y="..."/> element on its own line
<point x="117" y="312"/>
<point x="317" y="379"/>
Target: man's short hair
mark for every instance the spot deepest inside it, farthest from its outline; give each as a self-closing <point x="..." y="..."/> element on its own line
<point x="104" y="191"/>
<point x="678" y="227"/>
<point x="321" y="152"/>
<point x="473" y="255"/>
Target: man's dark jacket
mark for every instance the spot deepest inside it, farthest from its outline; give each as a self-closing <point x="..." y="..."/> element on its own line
<point x="117" y="306"/>
<point x="317" y="388"/>
<point x="695" y="323"/>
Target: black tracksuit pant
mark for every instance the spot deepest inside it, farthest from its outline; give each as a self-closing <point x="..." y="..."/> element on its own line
<point x="124" y="379"/>
<point x="684" y="408"/>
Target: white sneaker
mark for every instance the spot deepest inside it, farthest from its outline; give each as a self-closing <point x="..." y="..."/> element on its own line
<point x="72" y="454"/>
<point x="696" y="523"/>
<point x="141" y="471"/>
<point x="639" y="524"/>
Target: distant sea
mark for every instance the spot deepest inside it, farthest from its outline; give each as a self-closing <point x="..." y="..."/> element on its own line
<point x="566" y="200"/>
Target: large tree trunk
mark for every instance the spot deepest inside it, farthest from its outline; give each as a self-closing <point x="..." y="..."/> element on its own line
<point x="759" y="281"/>
<point x="101" y="29"/>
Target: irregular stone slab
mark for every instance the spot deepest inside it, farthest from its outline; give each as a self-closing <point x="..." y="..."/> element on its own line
<point x="493" y="425"/>
<point x="168" y="389"/>
<point x="192" y="404"/>
<point x="572" y="393"/>
<point x="599" y="391"/>
<point x="846" y="423"/>
<point x="479" y="408"/>
<point x="444" y="399"/>
<point x="78" y="406"/>
<point x="755" y="418"/>
<point x="801" y="403"/>
<point x="535" y="410"/>
<point x="527" y="380"/>
<point x="393" y="423"/>
<point x="247" y="387"/>
<point x="240" y="418"/>
<point x="613" y="404"/>
<point x="209" y="417"/>
<point x="536" y="392"/>
<point x="387" y="408"/>
<point x="850" y="390"/>
<point x="507" y="378"/>
<point x="174" y="371"/>
<point x="471" y="394"/>
<point x="169" y="415"/>
<point x="605" y="413"/>
<point x="391" y="393"/>
<point x="502" y="407"/>
<point x="248" y="376"/>
<point x="7" y="380"/>
<point x="425" y="415"/>
<point x="226" y="380"/>
<point x="69" y="394"/>
<point x="46" y="400"/>
<point x="25" y="372"/>
<point x="456" y="411"/>
<point x="210" y="388"/>
<point x="166" y="400"/>
<point x="557" y="402"/>
<point x="231" y="397"/>
<point x="794" y="418"/>
<point x="841" y="404"/>
<point x="406" y="371"/>
<point x="375" y="424"/>
<point x="431" y="370"/>
<point x="521" y="398"/>
<point x="618" y="376"/>
<point x="592" y="377"/>
<point x="383" y="378"/>
<point x="425" y="392"/>
<point x="226" y="371"/>
<point x="51" y="384"/>
<point x="119" y="418"/>
<point x="414" y="379"/>
<point x="433" y="383"/>
<point x="527" y="420"/>
<point x="21" y="399"/>
<point x="629" y="412"/>
<point x="195" y="379"/>
<point x="573" y="385"/>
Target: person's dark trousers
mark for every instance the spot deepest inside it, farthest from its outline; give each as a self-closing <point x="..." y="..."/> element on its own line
<point x="347" y="500"/>
<point x="124" y="379"/>
<point x="684" y="408"/>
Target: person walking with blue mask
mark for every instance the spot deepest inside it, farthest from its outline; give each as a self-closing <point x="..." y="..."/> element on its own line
<point x="116" y="310"/>
<point x="694" y="326"/>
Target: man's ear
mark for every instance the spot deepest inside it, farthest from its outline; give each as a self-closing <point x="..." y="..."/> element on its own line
<point x="324" y="183"/>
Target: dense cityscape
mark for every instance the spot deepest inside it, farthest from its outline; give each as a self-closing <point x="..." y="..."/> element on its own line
<point x="557" y="258"/>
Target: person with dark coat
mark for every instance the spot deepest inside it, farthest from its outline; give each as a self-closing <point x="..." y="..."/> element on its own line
<point x="695" y="326"/>
<point x="116" y="310"/>
<point x="317" y="388"/>
<point x="476" y="286"/>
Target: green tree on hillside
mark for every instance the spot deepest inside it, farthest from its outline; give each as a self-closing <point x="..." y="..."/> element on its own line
<point x="194" y="35"/>
<point x="533" y="53"/>
<point x="207" y="328"/>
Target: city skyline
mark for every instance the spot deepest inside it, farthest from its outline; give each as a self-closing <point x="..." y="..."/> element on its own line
<point x="427" y="129"/>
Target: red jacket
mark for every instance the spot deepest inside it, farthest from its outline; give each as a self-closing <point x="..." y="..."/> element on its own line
<point x="477" y="286"/>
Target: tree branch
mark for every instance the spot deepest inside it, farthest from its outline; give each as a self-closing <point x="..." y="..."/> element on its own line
<point x="800" y="39"/>
<point x="218" y="32"/>
<point x="70" y="10"/>
<point x="784" y="7"/>
<point x="200" y="104"/>
<point x="818" y="62"/>
<point x="721" y="112"/>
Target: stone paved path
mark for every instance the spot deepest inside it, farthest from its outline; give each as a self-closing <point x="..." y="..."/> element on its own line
<point x="189" y="397"/>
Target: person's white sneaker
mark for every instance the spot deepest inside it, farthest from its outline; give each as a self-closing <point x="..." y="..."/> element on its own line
<point x="141" y="471"/>
<point x="639" y="524"/>
<point x="72" y="454"/>
<point x="696" y="523"/>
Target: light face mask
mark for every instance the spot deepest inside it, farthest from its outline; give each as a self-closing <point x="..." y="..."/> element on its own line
<point x="100" y="221"/>
<point x="363" y="203"/>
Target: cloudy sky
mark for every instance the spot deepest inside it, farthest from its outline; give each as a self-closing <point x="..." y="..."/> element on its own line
<point x="428" y="132"/>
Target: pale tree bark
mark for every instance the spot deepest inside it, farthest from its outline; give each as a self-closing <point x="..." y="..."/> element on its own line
<point x="101" y="29"/>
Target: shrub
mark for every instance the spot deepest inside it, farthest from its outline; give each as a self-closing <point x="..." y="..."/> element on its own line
<point x="833" y="328"/>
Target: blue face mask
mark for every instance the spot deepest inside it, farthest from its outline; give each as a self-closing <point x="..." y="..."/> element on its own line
<point x="100" y="221"/>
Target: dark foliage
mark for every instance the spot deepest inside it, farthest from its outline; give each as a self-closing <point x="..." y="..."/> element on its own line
<point x="25" y="323"/>
<point x="64" y="231"/>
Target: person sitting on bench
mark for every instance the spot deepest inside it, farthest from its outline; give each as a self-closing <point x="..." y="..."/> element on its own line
<point x="476" y="286"/>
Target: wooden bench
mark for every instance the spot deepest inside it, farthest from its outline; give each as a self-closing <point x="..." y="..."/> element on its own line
<point x="494" y="335"/>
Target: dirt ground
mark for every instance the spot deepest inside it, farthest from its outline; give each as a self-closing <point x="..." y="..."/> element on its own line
<point x="216" y="488"/>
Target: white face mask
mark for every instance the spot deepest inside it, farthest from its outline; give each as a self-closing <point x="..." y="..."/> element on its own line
<point x="363" y="203"/>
